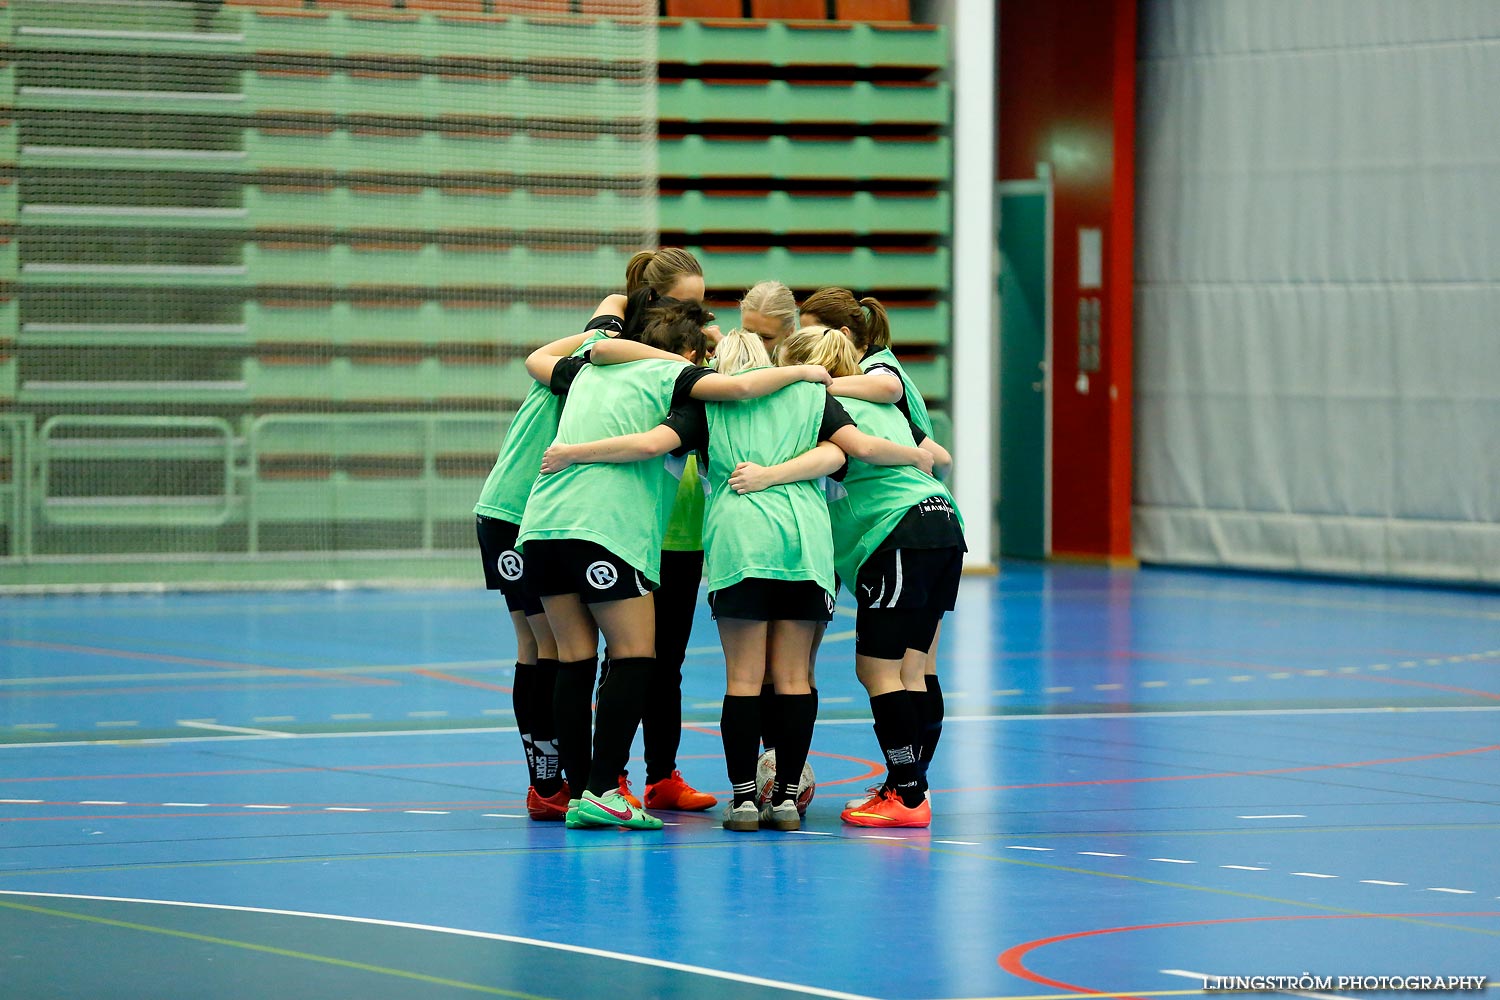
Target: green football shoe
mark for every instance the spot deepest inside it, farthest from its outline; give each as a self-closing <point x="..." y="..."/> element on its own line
<point x="611" y="809"/>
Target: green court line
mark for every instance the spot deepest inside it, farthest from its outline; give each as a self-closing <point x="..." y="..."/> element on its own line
<point x="271" y="950"/>
<point x="635" y="845"/>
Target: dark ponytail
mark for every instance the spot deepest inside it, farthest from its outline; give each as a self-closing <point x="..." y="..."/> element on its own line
<point x="677" y="328"/>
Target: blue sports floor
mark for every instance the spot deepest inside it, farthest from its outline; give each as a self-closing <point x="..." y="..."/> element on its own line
<point x="1145" y="777"/>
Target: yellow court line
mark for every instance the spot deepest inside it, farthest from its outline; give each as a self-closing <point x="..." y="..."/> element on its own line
<point x="1091" y="995"/>
<point x="637" y="845"/>
<point x="270" y="950"/>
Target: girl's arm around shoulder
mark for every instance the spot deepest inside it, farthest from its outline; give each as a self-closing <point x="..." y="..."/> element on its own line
<point x="611" y="305"/>
<point x="616" y="352"/>
<point x="757" y="383"/>
<point x="625" y="448"/>
<point x="941" y="460"/>
<point x="878" y="451"/>
<point x="871" y="388"/>
<point x="823" y="460"/>
<point x="540" y="362"/>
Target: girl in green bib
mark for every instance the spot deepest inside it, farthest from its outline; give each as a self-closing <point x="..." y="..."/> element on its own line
<point x="769" y="557"/>
<point x="649" y="276"/>
<point x="866" y="323"/>
<point x="497" y="520"/>
<point x="900" y="546"/>
<point x="593" y="533"/>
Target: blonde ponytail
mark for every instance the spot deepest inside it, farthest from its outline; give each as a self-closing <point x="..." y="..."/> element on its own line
<point x="820" y="345"/>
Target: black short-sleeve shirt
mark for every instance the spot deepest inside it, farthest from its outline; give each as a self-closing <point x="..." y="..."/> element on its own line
<point x="564" y="372"/>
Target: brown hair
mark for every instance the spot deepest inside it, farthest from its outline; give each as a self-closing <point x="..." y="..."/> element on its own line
<point x="866" y="319"/>
<point x="820" y="345"/>
<point x="774" y="301"/>
<point x="677" y="328"/>
<point x="659" y="269"/>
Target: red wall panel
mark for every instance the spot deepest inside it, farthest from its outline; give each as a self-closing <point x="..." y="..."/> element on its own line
<point x="1067" y="99"/>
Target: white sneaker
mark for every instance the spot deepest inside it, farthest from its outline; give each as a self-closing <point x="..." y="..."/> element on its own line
<point x="782" y="816"/>
<point x="742" y="818"/>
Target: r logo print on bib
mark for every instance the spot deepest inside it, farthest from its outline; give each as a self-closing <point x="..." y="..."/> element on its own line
<point x="601" y="575"/>
<point x="509" y="564"/>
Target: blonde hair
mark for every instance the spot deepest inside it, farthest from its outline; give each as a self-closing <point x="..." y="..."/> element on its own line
<point x="740" y="350"/>
<point x="659" y="269"/>
<point x="866" y="319"/>
<point x="820" y="345"/>
<point x="774" y="301"/>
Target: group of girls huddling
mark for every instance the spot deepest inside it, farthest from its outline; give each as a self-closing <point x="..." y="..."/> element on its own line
<point x="778" y="460"/>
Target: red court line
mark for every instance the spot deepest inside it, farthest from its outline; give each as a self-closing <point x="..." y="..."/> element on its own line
<point x="350" y="769"/>
<point x="127" y="654"/>
<point x="1423" y="684"/>
<point x="462" y="680"/>
<point x="1010" y="959"/>
<point x="299" y="811"/>
<point x="1227" y="774"/>
<point x="875" y="769"/>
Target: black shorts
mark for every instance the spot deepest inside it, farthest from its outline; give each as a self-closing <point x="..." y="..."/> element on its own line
<point x="760" y="600"/>
<point x="574" y="566"/>
<point x="910" y="579"/>
<point x="504" y="568"/>
<point x="902" y="595"/>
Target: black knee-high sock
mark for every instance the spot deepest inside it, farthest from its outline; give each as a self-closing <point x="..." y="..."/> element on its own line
<point x="932" y="721"/>
<point x="897" y="731"/>
<point x="676" y="599"/>
<point x="546" y="773"/>
<point x="573" y="716"/>
<point x="768" y="716"/>
<point x="662" y="721"/>
<point x="795" y="715"/>
<point x="622" y="697"/>
<point x="521" y="692"/>
<point x="739" y="726"/>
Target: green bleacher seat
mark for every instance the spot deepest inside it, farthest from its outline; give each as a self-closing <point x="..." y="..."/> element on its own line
<point x="858" y="159"/>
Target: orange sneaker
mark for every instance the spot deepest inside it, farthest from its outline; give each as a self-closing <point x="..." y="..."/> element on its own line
<point x="889" y="810"/>
<point x="629" y="795"/>
<point x="674" y="793"/>
<point x="553" y="807"/>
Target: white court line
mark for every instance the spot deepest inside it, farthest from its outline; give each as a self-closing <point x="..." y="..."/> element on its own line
<point x="242" y="730"/>
<point x="1100" y="854"/>
<point x="964" y="843"/>
<point x="811" y="833"/>
<point x="484" y="935"/>
<point x="1376" y="881"/>
<point x="861" y="721"/>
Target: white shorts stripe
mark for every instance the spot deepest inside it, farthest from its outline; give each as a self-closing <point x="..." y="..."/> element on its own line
<point x="896" y="590"/>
